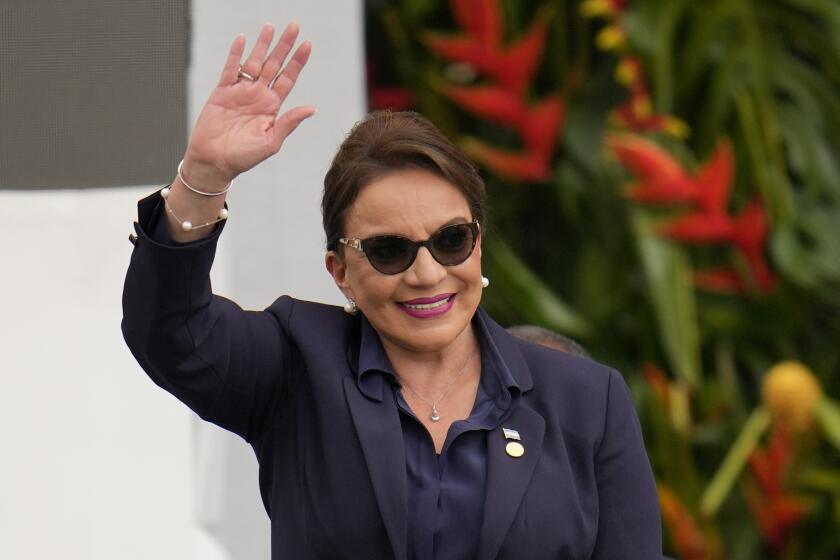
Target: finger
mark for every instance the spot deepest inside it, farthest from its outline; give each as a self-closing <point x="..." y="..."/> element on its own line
<point x="289" y="121"/>
<point x="253" y="66"/>
<point x="278" y="55"/>
<point x="287" y="78"/>
<point x="231" y="69"/>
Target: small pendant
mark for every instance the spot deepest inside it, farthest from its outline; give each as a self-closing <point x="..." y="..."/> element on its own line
<point x="435" y="416"/>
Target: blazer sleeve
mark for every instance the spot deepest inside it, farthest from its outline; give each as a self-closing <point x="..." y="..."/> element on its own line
<point x="225" y="363"/>
<point x="629" y="524"/>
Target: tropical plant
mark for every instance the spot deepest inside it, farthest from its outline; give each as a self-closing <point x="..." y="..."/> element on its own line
<point x="664" y="183"/>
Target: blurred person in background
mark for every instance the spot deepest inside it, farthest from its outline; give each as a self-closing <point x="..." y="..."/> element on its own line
<point x="549" y="338"/>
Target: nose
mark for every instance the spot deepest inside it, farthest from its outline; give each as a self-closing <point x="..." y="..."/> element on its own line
<point x="425" y="270"/>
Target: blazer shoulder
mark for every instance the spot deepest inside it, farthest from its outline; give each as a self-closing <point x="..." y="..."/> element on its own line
<point x="557" y="368"/>
<point x="571" y="391"/>
<point x="313" y="324"/>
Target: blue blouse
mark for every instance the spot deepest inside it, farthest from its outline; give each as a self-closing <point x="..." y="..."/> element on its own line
<point x="445" y="492"/>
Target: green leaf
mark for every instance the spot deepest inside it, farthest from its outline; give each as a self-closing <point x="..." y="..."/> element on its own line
<point x="533" y="299"/>
<point x="734" y="462"/>
<point x="828" y="417"/>
<point x="820" y="479"/>
<point x="670" y="289"/>
<point x="770" y="173"/>
<point x="808" y="252"/>
<point x="663" y="64"/>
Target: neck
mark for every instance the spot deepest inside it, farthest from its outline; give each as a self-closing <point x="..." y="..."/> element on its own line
<point x="428" y="371"/>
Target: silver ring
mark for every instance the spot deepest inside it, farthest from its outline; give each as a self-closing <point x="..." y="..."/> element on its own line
<point x="246" y="75"/>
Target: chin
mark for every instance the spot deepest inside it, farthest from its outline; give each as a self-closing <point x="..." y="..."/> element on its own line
<point x="433" y="336"/>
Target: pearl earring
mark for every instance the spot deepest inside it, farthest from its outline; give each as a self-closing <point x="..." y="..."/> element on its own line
<point x="350" y="307"/>
<point x="485" y="281"/>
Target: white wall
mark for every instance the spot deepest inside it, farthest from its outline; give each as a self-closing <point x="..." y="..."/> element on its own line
<point x="95" y="461"/>
<point x="98" y="463"/>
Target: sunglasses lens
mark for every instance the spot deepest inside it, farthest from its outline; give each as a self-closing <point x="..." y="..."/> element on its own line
<point x="392" y="254"/>
<point x="389" y="254"/>
<point x="454" y="244"/>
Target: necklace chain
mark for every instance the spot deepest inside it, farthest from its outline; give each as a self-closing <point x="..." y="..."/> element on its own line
<point x="434" y="416"/>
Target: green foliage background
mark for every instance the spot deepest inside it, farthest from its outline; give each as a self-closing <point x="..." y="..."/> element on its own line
<point x="572" y="254"/>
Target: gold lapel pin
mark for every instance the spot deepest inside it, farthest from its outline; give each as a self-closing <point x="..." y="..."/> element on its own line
<point x="513" y="448"/>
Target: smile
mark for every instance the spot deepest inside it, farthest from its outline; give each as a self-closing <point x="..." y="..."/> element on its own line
<point x="428" y="307"/>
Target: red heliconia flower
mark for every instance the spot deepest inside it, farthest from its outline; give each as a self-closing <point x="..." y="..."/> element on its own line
<point x="722" y="280"/>
<point x="480" y="18"/>
<point x="768" y="465"/>
<point x="751" y="230"/>
<point x="687" y="537"/>
<point x="662" y="180"/>
<point x="394" y="98"/>
<point x="636" y="113"/>
<point x="761" y="271"/>
<point x="520" y="61"/>
<point x="658" y="382"/>
<point x="633" y="115"/>
<point x="750" y="238"/>
<point x="490" y="102"/>
<point x="700" y="227"/>
<point x="512" y="66"/>
<point x="776" y="517"/>
<point x="527" y="167"/>
<point x="510" y="69"/>
<point x="776" y="512"/>
<point x="460" y="48"/>
<point x="540" y="128"/>
<point x="714" y="180"/>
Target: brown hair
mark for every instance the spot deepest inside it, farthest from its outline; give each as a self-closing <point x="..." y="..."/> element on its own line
<point x="384" y="142"/>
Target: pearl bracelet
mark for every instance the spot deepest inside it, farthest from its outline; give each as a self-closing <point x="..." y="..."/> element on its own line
<point x="195" y="190"/>
<point x="187" y="225"/>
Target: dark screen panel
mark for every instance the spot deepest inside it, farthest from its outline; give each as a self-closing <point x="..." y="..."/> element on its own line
<point x="92" y="92"/>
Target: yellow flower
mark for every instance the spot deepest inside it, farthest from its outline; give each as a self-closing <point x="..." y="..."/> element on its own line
<point x="642" y="107"/>
<point x="595" y="8"/>
<point x="676" y="127"/>
<point x="791" y="393"/>
<point x="628" y="71"/>
<point x="611" y="38"/>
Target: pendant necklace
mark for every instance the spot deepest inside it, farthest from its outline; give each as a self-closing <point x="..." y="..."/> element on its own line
<point x="435" y="417"/>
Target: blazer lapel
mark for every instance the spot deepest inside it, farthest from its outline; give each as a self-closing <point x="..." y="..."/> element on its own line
<point x="508" y="477"/>
<point x="378" y="427"/>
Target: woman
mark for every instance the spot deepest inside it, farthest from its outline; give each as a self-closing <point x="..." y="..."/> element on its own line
<point x="409" y="424"/>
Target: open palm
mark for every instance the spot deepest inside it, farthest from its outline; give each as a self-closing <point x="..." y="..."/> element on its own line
<point x="239" y="125"/>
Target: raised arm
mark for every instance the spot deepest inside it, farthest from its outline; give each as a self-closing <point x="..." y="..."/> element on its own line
<point x="240" y="126"/>
<point x="230" y="366"/>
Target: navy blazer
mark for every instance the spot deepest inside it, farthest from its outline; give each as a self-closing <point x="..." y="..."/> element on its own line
<point x="332" y="470"/>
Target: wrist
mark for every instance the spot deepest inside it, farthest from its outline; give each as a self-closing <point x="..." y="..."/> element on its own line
<point x="203" y="176"/>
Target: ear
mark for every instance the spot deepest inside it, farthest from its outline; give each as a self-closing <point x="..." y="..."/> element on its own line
<point x="338" y="270"/>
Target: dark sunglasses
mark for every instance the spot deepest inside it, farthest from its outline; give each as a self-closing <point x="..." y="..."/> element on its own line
<point x="392" y="254"/>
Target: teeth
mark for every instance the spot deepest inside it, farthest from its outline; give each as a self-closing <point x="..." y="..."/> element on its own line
<point x="434" y="305"/>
